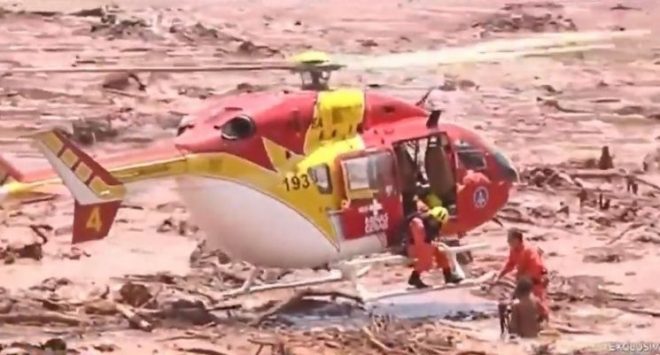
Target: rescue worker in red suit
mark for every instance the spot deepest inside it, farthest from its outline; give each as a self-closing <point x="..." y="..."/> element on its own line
<point x="423" y="227"/>
<point x="527" y="261"/>
<point x="472" y="180"/>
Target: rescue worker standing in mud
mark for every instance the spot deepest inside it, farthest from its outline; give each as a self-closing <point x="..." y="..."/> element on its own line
<point x="527" y="261"/>
<point x="423" y="227"/>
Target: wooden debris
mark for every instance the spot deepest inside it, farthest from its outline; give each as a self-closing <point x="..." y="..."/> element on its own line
<point x="226" y="307"/>
<point x="605" y="161"/>
<point x="648" y="312"/>
<point x="375" y="342"/>
<point x="276" y="344"/>
<point x="182" y="310"/>
<point x="566" y="329"/>
<point x="100" y="307"/>
<point x="30" y="250"/>
<point x="582" y="197"/>
<point x="134" y="319"/>
<point x="202" y="351"/>
<point x="152" y="301"/>
<point x="90" y="131"/>
<point x="6" y="305"/>
<point x="611" y="174"/>
<point x="513" y="215"/>
<point x="647" y="183"/>
<point x="189" y="334"/>
<point x="297" y="297"/>
<point x="136" y="295"/>
<point x="631" y="185"/>
<point x="122" y="81"/>
<point x="630" y="227"/>
<point x="226" y="275"/>
<point x="42" y="318"/>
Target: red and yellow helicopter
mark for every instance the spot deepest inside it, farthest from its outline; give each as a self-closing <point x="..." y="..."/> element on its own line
<point x="301" y="179"/>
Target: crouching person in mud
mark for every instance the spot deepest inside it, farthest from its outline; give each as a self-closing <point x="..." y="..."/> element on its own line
<point x="521" y="316"/>
<point x="422" y="228"/>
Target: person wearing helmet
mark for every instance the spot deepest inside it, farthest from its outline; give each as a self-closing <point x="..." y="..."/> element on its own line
<point x="428" y="198"/>
<point x="423" y="227"/>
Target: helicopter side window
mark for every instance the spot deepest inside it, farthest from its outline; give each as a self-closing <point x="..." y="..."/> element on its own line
<point x="320" y="174"/>
<point x="381" y="173"/>
<point x="183" y="128"/>
<point x="239" y="127"/>
<point x="470" y="156"/>
<point x="184" y="125"/>
<point x="372" y="173"/>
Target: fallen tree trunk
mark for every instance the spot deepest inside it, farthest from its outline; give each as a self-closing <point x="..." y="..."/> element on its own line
<point x="42" y="318"/>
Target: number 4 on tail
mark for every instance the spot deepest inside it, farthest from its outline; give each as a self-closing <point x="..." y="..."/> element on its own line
<point x="92" y="222"/>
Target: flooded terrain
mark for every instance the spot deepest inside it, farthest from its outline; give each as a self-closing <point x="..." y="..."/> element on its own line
<point x="552" y="115"/>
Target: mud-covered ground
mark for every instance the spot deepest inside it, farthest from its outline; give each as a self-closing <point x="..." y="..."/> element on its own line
<point x="551" y="115"/>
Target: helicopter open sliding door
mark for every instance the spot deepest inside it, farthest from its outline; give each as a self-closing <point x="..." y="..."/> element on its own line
<point x="440" y="166"/>
<point x="427" y="163"/>
<point x="373" y="198"/>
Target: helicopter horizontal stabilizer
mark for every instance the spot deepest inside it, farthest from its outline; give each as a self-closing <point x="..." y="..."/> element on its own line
<point x="97" y="193"/>
<point x="8" y="173"/>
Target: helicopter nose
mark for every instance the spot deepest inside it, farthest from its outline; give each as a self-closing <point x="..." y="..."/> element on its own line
<point x="508" y="171"/>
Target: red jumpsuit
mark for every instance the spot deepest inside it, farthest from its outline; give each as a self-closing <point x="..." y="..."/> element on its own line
<point x="475" y="178"/>
<point x="422" y="252"/>
<point x="527" y="262"/>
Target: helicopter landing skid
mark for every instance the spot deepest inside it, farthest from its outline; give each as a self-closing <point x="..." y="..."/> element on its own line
<point x="353" y="270"/>
<point x="406" y="291"/>
<point x="250" y="285"/>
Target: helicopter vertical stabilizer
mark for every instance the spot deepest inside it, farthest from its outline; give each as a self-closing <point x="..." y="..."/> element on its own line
<point x="97" y="193"/>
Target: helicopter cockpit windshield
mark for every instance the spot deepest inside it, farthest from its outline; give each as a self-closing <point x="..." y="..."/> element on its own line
<point x="474" y="158"/>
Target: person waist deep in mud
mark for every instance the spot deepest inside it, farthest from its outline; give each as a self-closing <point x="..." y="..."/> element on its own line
<point x="424" y="227"/>
<point x="527" y="261"/>
<point x="525" y="316"/>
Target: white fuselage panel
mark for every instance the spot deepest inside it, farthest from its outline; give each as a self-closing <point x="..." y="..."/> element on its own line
<point x="254" y="227"/>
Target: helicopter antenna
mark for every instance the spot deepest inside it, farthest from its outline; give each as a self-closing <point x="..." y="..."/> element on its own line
<point x="433" y="119"/>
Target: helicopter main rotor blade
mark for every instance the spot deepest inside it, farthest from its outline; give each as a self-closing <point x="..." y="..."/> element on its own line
<point x="423" y="59"/>
<point x="538" y="45"/>
<point x="172" y="69"/>
<point x="548" y="43"/>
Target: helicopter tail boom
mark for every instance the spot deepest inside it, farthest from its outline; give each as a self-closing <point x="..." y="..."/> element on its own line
<point x="97" y="192"/>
